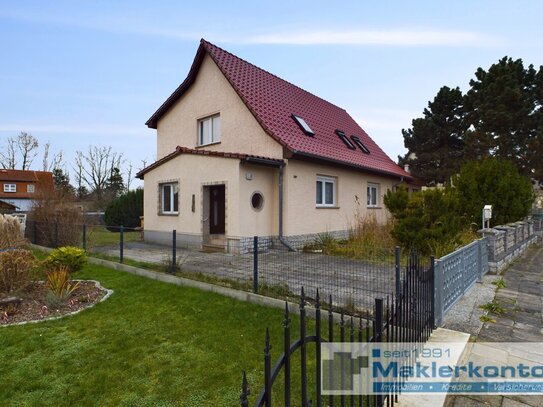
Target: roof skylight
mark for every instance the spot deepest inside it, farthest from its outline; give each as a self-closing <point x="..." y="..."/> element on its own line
<point x="303" y="125"/>
<point x="345" y="140"/>
<point x="360" y="145"/>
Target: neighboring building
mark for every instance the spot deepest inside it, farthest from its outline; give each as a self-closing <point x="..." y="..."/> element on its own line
<point x="20" y="188"/>
<point x="7" y="208"/>
<point x="242" y="152"/>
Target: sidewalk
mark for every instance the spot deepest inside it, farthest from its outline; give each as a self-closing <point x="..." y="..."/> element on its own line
<point x="522" y="299"/>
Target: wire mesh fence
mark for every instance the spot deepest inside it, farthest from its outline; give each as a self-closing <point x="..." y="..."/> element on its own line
<point x="353" y="274"/>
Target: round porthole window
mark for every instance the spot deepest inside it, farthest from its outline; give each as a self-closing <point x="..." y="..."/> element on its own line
<point x="257" y="201"/>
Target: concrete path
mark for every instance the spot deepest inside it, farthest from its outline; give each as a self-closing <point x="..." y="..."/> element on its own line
<point x="522" y="322"/>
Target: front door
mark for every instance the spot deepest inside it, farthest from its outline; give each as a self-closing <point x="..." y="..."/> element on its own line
<point x="216" y="210"/>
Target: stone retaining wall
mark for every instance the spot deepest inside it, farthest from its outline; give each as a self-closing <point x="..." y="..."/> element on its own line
<point x="506" y="242"/>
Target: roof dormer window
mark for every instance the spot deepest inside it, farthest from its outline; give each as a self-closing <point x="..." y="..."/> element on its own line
<point x="356" y="140"/>
<point x="345" y="140"/>
<point x="303" y="125"/>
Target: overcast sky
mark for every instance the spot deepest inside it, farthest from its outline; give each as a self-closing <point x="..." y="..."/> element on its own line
<point x="92" y="72"/>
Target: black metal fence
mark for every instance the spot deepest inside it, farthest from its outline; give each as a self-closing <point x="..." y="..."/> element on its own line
<point x="407" y="316"/>
<point x="351" y="273"/>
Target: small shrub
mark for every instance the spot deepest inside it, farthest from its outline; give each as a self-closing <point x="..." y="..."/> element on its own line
<point x="11" y="232"/>
<point x="16" y="268"/>
<point x="72" y="258"/>
<point x="428" y="221"/>
<point x="125" y="210"/>
<point x="53" y="302"/>
<point x="58" y="282"/>
<point x="53" y="220"/>
<point x="497" y="183"/>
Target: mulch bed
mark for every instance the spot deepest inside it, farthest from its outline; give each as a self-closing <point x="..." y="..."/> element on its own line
<point x="35" y="305"/>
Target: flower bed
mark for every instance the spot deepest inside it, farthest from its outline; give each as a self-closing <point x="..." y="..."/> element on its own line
<point x="35" y="303"/>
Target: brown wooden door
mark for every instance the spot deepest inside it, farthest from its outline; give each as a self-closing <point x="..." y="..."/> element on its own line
<point x="216" y="210"/>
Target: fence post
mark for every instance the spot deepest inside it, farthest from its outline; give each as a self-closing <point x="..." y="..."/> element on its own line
<point x="84" y="238"/>
<point x="121" y="244"/>
<point x="244" y="391"/>
<point x="433" y="295"/>
<point x="378" y="319"/>
<point x="35" y="232"/>
<point x="480" y="257"/>
<point x="56" y="235"/>
<point x="303" y="360"/>
<point x="318" y="346"/>
<point x="397" y="254"/>
<point x="255" y="264"/>
<point x="378" y="336"/>
<point x="267" y="371"/>
<point x="330" y="339"/>
<point x="174" y="251"/>
<point x="438" y="292"/>
<point x="286" y="345"/>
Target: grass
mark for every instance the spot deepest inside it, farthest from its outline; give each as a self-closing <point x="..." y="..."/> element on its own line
<point x="98" y="236"/>
<point x="499" y="283"/>
<point x="150" y="344"/>
<point x="493" y="307"/>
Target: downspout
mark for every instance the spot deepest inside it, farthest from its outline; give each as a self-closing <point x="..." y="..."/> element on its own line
<point x="281" y="238"/>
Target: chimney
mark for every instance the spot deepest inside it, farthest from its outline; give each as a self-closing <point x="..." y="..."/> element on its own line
<point x="406" y="168"/>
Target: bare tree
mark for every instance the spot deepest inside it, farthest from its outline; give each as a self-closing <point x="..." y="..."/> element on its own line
<point x="78" y="169"/>
<point x="45" y="162"/>
<point x="27" y="145"/>
<point x="95" y="166"/>
<point x="129" y="176"/>
<point x="57" y="162"/>
<point x="8" y="157"/>
<point x="24" y="146"/>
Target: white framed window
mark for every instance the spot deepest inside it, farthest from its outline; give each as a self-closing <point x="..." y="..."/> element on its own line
<point x="209" y="130"/>
<point x="169" y="198"/>
<point x="30" y="188"/>
<point x="10" y="187"/>
<point x="373" y="195"/>
<point x="326" y="191"/>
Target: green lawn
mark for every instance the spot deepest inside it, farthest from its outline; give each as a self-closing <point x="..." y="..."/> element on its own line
<point x="98" y="235"/>
<point x="149" y="344"/>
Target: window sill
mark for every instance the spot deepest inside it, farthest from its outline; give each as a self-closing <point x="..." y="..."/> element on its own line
<point x="208" y="144"/>
<point x="326" y="207"/>
<point x="374" y="207"/>
<point x="168" y="214"/>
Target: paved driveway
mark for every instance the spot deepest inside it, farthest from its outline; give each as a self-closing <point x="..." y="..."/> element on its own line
<point x="352" y="283"/>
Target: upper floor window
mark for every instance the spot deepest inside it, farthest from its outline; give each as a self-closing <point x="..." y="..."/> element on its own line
<point x="209" y="130"/>
<point x="30" y="188"/>
<point x="326" y="191"/>
<point x="169" y="198"/>
<point x="373" y="195"/>
<point x="10" y="188"/>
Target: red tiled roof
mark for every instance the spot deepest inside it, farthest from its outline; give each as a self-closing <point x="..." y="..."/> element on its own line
<point x="184" y="150"/>
<point x="42" y="179"/>
<point x="18" y="175"/>
<point x="273" y="100"/>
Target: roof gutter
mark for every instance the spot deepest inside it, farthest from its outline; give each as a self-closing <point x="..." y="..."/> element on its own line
<point x="265" y="161"/>
<point x="345" y="164"/>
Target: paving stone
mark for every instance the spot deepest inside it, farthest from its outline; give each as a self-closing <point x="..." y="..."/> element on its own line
<point x="509" y="402"/>
<point x="463" y="401"/>
<point x="533" y="401"/>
